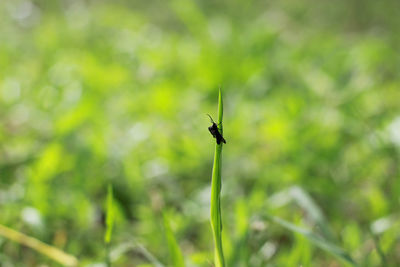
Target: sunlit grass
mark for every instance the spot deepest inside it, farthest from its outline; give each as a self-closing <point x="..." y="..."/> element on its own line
<point x="109" y="90"/>
<point x="37" y="245"/>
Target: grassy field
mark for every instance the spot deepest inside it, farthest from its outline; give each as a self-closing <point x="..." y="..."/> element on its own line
<point x="105" y="155"/>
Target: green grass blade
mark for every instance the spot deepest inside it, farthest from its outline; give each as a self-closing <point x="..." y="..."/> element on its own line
<point x="110" y="215"/>
<point x="37" y="245"/>
<point x="306" y="202"/>
<point x="216" y="221"/>
<point x="175" y="252"/>
<point x="315" y="239"/>
<point x="134" y="247"/>
<point x="109" y="223"/>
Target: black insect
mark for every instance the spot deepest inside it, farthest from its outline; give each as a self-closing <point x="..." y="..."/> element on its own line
<point x="215" y="132"/>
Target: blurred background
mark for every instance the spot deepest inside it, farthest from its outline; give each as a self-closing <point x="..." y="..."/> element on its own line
<point x="98" y="92"/>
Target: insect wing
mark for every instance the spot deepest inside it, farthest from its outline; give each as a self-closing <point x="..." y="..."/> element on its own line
<point x="212" y="130"/>
<point x="220" y="138"/>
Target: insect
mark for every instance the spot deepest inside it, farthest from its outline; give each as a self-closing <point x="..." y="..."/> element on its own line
<point x="215" y="132"/>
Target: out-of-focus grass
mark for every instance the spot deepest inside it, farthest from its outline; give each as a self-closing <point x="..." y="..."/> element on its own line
<point x="315" y="239"/>
<point x="99" y="92"/>
<point x="109" y="222"/>
<point x="175" y="253"/>
<point x="40" y="247"/>
<point x="109" y="215"/>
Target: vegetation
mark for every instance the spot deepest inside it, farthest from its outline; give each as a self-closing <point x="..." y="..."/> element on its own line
<point x="99" y="93"/>
<point x="216" y="186"/>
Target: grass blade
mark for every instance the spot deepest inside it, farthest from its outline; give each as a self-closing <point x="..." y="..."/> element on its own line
<point x="216" y="221"/>
<point x="174" y="249"/>
<point x="33" y="243"/>
<point x="110" y="215"/>
<point x="315" y="239"/>
<point x="136" y="247"/>
<point x="306" y="202"/>
<point x="109" y="223"/>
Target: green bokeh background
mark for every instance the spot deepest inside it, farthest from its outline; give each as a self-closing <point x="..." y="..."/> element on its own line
<point x="98" y="92"/>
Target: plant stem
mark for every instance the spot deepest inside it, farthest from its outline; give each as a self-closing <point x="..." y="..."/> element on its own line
<point x="216" y="220"/>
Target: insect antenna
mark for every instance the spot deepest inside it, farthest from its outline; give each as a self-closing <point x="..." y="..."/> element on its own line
<point x="212" y="121"/>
